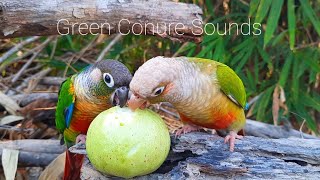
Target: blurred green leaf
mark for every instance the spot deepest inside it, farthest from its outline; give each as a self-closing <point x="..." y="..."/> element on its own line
<point x="285" y="70"/>
<point x="279" y="38"/>
<point x="263" y="9"/>
<point x="291" y="23"/>
<point x="302" y="114"/>
<point x="311" y="14"/>
<point x="209" y="7"/>
<point x="309" y="101"/>
<point x="273" y="19"/>
<point x="263" y="105"/>
<point x="253" y="6"/>
<point x="266" y="57"/>
<point x="219" y="50"/>
<point x="206" y="49"/>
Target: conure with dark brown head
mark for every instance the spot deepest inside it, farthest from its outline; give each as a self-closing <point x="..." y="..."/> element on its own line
<point x="82" y="97"/>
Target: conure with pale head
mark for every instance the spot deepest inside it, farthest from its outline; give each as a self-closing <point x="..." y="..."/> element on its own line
<point x="206" y="93"/>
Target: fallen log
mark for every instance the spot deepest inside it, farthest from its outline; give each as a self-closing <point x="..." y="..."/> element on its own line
<point x="34" y="152"/>
<point x="177" y="21"/>
<point x="52" y="80"/>
<point x="205" y="156"/>
<point x="25" y="99"/>
<point x="260" y="129"/>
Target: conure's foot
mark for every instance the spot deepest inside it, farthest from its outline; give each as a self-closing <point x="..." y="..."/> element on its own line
<point x="81" y="138"/>
<point x="186" y="129"/>
<point x="231" y="138"/>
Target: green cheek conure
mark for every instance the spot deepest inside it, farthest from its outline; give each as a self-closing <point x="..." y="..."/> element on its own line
<point x="206" y="93"/>
<point x="82" y="97"/>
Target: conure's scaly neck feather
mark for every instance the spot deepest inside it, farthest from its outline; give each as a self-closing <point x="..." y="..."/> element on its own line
<point x="192" y="84"/>
<point x="88" y="86"/>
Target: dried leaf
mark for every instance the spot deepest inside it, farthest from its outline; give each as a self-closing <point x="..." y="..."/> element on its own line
<point x="10" y="163"/>
<point x="317" y="83"/>
<point x="282" y="101"/>
<point x="55" y="169"/>
<point x="282" y="95"/>
<point x="10" y="105"/>
<point x="10" y="119"/>
<point x="275" y="105"/>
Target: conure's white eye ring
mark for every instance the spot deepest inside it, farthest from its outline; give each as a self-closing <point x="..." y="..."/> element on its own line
<point x="158" y="91"/>
<point x="108" y="79"/>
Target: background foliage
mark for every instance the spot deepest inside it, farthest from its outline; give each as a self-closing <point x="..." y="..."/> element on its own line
<point x="280" y="67"/>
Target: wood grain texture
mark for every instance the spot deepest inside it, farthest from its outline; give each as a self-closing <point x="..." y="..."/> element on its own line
<point x="205" y="156"/>
<point x="40" y="17"/>
<point x="34" y="152"/>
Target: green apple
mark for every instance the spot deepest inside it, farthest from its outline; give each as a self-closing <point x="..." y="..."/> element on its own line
<point x="127" y="143"/>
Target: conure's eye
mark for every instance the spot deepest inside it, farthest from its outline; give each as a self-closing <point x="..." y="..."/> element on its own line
<point x="158" y="91"/>
<point x="108" y="79"/>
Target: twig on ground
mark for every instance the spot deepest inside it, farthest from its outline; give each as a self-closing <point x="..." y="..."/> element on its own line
<point x="4" y="65"/>
<point x="78" y="56"/>
<point x="33" y="82"/>
<point x="37" y="67"/>
<point x="25" y="99"/>
<point x="317" y="43"/>
<point x="300" y="129"/>
<point x="4" y="87"/>
<point x="13" y="128"/>
<point x="108" y="47"/>
<point x="253" y="100"/>
<point x="55" y="42"/>
<point x="88" y="46"/>
<point x="10" y="105"/>
<point x="26" y="81"/>
<point x="40" y="48"/>
<point x="180" y="49"/>
<point x="17" y="48"/>
<point x="51" y="80"/>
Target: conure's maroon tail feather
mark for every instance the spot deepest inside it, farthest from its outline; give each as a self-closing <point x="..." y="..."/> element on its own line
<point x="72" y="166"/>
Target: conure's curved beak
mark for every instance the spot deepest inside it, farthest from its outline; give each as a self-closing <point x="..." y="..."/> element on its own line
<point x="136" y="102"/>
<point x="120" y="96"/>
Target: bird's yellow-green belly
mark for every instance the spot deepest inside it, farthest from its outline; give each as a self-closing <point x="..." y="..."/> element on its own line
<point x="222" y="114"/>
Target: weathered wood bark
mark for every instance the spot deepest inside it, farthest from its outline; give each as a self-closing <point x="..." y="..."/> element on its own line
<point x="25" y="99"/>
<point x="205" y="156"/>
<point x="157" y="17"/>
<point x="34" y="152"/>
<point x="260" y="129"/>
<point x="52" y="80"/>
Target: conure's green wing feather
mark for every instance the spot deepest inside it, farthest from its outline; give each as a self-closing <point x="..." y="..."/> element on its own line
<point x="65" y="105"/>
<point x="230" y="83"/>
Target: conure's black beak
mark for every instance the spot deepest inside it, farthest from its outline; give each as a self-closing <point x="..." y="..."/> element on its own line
<point x="120" y="96"/>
